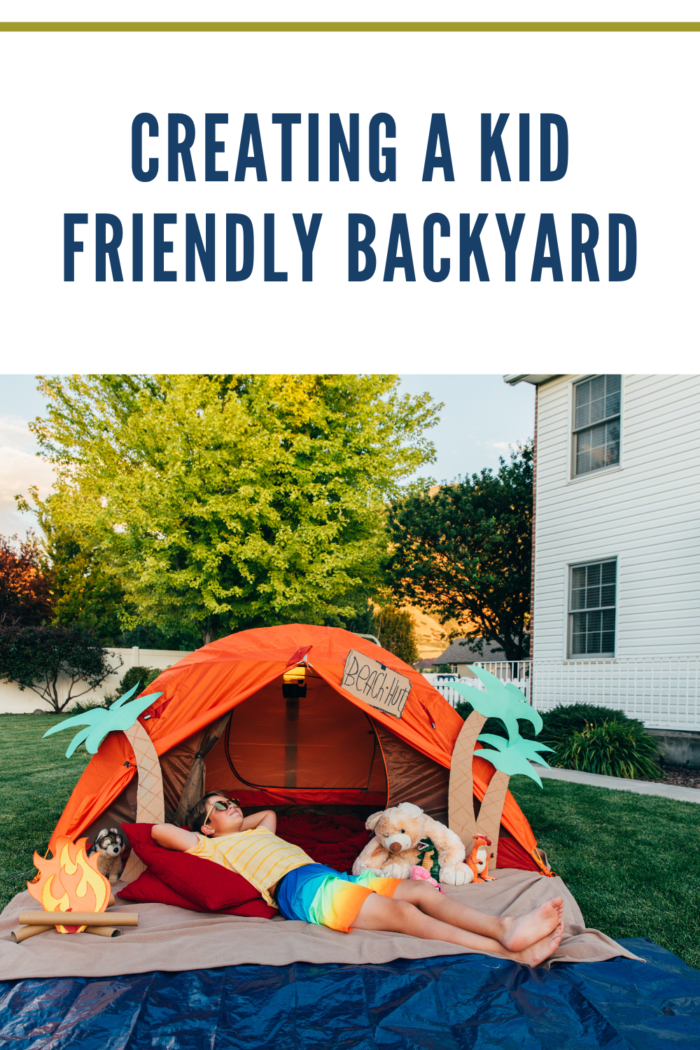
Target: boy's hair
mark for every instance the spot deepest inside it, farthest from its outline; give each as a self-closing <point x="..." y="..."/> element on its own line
<point x="197" y="815"/>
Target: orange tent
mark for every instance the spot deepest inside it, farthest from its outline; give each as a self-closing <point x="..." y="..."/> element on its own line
<point x="223" y="721"/>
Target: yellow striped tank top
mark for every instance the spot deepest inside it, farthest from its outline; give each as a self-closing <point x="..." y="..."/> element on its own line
<point x="257" y="854"/>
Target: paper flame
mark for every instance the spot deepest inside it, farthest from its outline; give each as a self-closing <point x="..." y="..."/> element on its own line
<point x="70" y="881"/>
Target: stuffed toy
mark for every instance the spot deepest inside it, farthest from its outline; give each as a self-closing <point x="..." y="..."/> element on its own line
<point x="109" y="846"/>
<point x="478" y="859"/>
<point x="405" y="837"/>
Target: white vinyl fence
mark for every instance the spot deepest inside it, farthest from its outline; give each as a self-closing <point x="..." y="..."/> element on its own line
<point x="663" y="692"/>
<point x="16" y="701"/>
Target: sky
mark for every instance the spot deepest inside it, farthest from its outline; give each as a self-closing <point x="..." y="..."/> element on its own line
<point x="482" y="419"/>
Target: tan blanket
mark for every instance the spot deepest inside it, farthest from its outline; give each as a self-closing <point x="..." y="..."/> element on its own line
<point x="169" y="938"/>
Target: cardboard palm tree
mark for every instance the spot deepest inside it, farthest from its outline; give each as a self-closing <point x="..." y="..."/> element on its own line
<point x="507" y="703"/>
<point x="150" y="807"/>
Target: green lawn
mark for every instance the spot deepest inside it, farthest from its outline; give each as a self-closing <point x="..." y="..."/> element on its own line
<point x="36" y="780"/>
<point x="631" y="861"/>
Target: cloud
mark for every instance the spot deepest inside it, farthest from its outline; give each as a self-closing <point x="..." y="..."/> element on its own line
<point x="20" y="467"/>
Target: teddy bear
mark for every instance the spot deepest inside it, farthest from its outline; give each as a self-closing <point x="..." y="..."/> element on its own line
<point x="400" y="844"/>
<point x="109" y="846"/>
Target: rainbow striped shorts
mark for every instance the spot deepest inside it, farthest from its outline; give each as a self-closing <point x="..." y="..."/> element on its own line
<point x="316" y="893"/>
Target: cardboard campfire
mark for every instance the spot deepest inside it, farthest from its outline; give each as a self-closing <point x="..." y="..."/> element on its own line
<point x="70" y="881"/>
<point x="70" y="887"/>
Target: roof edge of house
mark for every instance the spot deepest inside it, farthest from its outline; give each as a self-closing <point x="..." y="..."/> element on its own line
<point x="536" y="380"/>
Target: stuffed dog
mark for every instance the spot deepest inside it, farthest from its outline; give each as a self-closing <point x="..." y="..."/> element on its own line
<point x="109" y="846"/>
<point x="399" y="834"/>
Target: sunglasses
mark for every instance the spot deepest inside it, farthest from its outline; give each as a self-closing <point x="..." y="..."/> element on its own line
<point x="221" y="806"/>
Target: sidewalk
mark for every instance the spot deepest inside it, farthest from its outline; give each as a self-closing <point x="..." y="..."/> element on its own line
<point x="640" y="787"/>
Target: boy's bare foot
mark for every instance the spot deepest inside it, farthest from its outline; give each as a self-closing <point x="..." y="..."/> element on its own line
<point x="522" y="931"/>
<point x="537" y="953"/>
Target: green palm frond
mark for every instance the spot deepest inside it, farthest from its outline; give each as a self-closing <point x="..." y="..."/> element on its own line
<point x="504" y="701"/>
<point x="103" y="720"/>
<point x="494" y="703"/>
<point x="524" y="710"/>
<point x="499" y="742"/>
<point x="511" y="761"/>
<point x="513" y="756"/>
<point x="528" y="748"/>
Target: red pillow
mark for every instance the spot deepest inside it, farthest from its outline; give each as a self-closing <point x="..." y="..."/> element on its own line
<point x="149" y="889"/>
<point x="203" y="883"/>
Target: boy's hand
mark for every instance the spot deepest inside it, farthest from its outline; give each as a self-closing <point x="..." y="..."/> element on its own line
<point x="266" y="818"/>
<point x="173" y="838"/>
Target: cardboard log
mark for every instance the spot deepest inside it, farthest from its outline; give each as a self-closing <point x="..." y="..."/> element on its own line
<point x="79" y="918"/>
<point x="25" y="932"/>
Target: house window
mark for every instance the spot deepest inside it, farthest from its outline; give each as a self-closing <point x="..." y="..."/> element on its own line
<point x="592" y="609"/>
<point x="596" y="424"/>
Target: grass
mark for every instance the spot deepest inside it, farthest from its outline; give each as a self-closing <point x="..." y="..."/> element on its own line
<point x="36" y="780"/>
<point x="631" y="861"/>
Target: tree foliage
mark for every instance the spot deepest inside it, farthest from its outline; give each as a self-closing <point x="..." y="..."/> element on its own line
<point x="465" y="553"/>
<point x="84" y="594"/>
<point x="25" y="589"/>
<point x="52" y="660"/>
<point x="227" y="502"/>
<point x="396" y="632"/>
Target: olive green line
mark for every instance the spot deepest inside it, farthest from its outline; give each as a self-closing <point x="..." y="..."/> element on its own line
<point x="349" y="27"/>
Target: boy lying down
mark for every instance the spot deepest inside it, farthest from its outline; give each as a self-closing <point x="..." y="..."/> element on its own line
<point x="290" y="880"/>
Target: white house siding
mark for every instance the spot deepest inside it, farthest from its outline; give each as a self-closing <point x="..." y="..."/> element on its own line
<point x="16" y="701"/>
<point x="645" y="513"/>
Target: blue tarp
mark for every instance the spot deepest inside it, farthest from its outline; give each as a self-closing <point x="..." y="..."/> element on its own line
<point x="443" y="1003"/>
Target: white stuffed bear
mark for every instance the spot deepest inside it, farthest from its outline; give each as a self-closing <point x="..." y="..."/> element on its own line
<point x="399" y="832"/>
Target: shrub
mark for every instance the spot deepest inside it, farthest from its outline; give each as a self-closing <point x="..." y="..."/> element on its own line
<point x="142" y="676"/>
<point x="565" y="719"/>
<point x="613" y="748"/>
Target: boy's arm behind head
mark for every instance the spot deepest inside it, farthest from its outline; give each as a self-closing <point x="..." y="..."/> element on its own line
<point x="173" y="838"/>
<point x="265" y="818"/>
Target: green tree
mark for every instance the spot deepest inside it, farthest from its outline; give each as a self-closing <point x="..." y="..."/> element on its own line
<point x="84" y="594"/>
<point x="52" y="660"/>
<point x="465" y="552"/>
<point x="396" y="632"/>
<point x="228" y="502"/>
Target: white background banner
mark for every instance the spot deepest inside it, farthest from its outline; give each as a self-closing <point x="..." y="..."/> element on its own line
<point x="69" y="100"/>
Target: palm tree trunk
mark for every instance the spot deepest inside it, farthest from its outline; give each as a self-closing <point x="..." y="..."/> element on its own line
<point x="150" y="805"/>
<point x="461" y="804"/>
<point x="491" y="810"/>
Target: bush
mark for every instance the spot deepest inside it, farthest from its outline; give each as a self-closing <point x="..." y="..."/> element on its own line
<point x="566" y="719"/>
<point x="612" y="748"/>
<point x="88" y="705"/>
<point x="135" y="676"/>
